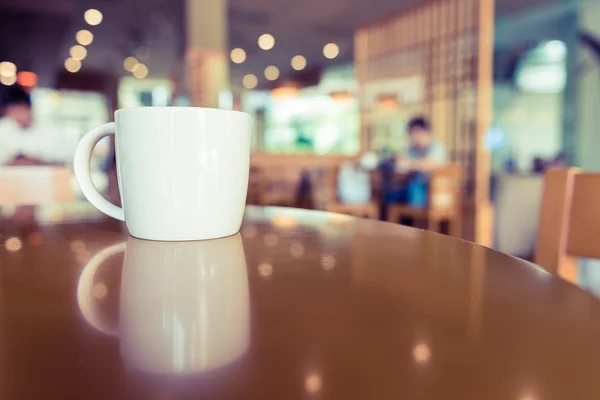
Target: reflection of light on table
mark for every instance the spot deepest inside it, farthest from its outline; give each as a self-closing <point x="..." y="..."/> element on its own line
<point x="313" y="383"/>
<point x="77" y="245"/>
<point x="421" y="353"/>
<point x="249" y="232"/>
<point x="13" y="244"/>
<point x="283" y="221"/>
<point x="99" y="291"/>
<point x="271" y="240"/>
<point x="328" y="262"/>
<point x="297" y="250"/>
<point x="265" y="269"/>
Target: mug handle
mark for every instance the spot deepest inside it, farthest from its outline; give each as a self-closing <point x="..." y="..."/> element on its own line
<point x="81" y="166"/>
<point x="84" y="286"/>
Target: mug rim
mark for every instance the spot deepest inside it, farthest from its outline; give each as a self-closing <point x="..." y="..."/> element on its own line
<point x="154" y="108"/>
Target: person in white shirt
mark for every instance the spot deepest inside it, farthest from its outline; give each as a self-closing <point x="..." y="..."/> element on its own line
<point x="22" y="140"/>
<point x="424" y="153"/>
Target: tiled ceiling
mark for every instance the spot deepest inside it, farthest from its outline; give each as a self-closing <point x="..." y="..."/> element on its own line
<point x="42" y="40"/>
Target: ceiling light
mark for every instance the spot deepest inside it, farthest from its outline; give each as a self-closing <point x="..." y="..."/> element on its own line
<point x="78" y="52"/>
<point x="84" y="37"/>
<point x="93" y="17"/>
<point x="331" y="50"/>
<point x="8" y="69"/>
<point x="140" y="71"/>
<point x="130" y="63"/>
<point x="266" y="41"/>
<point x="238" y="55"/>
<point x="8" y="80"/>
<point x="298" y="62"/>
<point x="250" y="81"/>
<point x="271" y="72"/>
<point x="72" y="65"/>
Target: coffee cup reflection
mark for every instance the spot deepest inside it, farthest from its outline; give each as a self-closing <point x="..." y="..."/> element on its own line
<point x="184" y="307"/>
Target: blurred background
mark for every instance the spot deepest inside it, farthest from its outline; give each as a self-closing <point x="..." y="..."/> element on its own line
<point x="509" y="88"/>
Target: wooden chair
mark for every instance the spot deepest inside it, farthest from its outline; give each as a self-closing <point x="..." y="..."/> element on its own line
<point x="569" y="221"/>
<point x="278" y="185"/>
<point x="367" y="210"/>
<point x="443" y="202"/>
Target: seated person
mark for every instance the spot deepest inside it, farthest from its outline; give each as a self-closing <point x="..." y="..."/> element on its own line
<point x="22" y="140"/>
<point x="423" y="155"/>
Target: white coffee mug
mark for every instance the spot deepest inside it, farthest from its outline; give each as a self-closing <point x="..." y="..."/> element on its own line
<point x="183" y="307"/>
<point x="182" y="171"/>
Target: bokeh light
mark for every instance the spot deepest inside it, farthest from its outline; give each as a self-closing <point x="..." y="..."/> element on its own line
<point x="265" y="269"/>
<point x="93" y="17"/>
<point x="13" y="244"/>
<point x="421" y="353"/>
<point x="78" y="52"/>
<point x="298" y="62"/>
<point x="8" y="80"/>
<point x="72" y="65"/>
<point x="129" y="63"/>
<point x="331" y="50"/>
<point x="238" y="55"/>
<point x="140" y="71"/>
<point x="250" y="81"/>
<point x="266" y="41"/>
<point x="271" y="240"/>
<point x="328" y="262"/>
<point x="7" y="69"/>
<point x="271" y="72"/>
<point x="84" y="37"/>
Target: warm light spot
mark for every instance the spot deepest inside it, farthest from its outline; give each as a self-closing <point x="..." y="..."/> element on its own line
<point x="99" y="291"/>
<point x="338" y="219"/>
<point x="27" y="79"/>
<point x="328" y="262"/>
<point x="271" y="72"/>
<point x="84" y="37"/>
<point x="283" y="221"/>
<point x="250" y="81"/>
<point x="297" y="250"/>
<point x="421" y="353"/>
<point x="72" y="65"/>
<point x="13" y="244"/>
<point x="83" y="256"/>
<point x="93" y="17"/>
<point x="298" y="62"/>
<point x="129" y="63"/>
<point x="8" y="69"/>
<point x="271" y="240"/>
<point x="265" y="269"/>
<point x="238" y="55"/>
<point x="8" y="80"/>
<point x="77" y="245"/>
<point x="78" y="52"/>
<point x="313" y="383"/>
<point x="140" y="71"/>
<point x="331" y="50"/>
<point x="249" y="232"/>
<point x="266" y="41"/>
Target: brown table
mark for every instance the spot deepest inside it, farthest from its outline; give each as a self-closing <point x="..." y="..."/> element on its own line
<point x="301" y="305"/>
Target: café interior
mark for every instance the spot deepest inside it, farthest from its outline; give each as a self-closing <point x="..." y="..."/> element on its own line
<point x="510" y="89"/>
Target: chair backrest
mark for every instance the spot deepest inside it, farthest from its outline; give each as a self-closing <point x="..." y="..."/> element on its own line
<point x="569" y="221"/>
<point x="445" y="189"/>
<point x="35" y="185"/>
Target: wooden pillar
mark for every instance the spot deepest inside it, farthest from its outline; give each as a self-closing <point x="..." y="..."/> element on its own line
<point x="207" y="67"/>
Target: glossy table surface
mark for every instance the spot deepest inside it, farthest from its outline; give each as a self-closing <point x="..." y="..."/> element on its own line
<point x="299" y="305"/>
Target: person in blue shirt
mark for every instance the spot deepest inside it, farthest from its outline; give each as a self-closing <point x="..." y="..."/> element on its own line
<point x="423" y="155"/>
